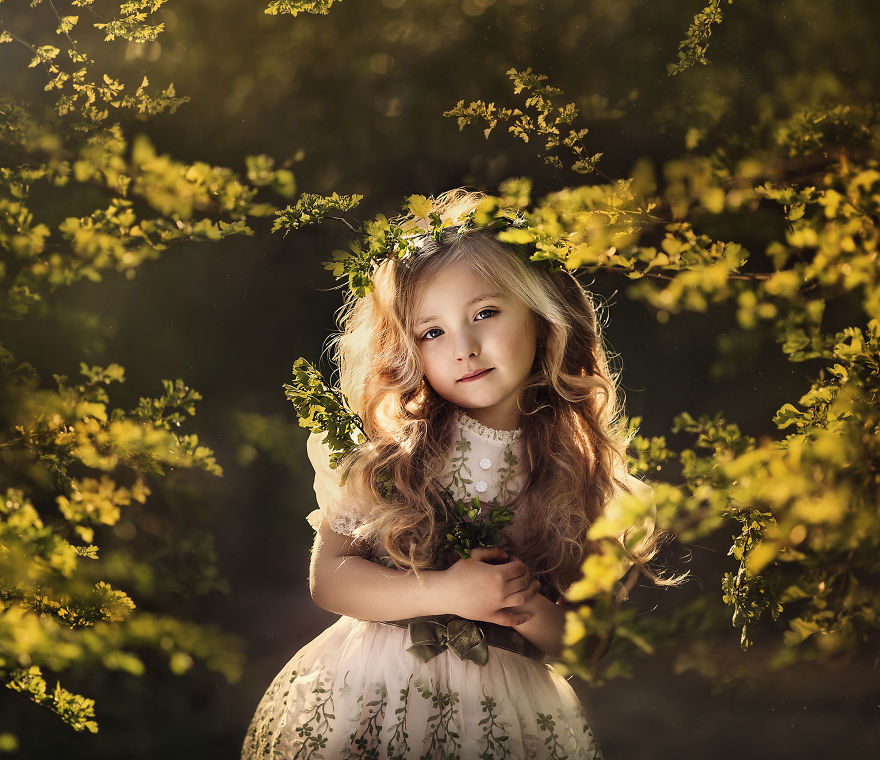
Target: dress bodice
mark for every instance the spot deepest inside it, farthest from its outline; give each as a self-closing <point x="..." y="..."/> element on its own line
<point x="483" y="463"/>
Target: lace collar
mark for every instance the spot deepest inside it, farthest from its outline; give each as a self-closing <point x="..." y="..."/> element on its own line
<point x="467" y="422"/>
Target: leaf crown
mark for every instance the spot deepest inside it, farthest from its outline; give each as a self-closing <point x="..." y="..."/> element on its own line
<point x="426" y="220"/>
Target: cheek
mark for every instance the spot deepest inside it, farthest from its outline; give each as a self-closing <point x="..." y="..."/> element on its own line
<point x="430" y="367"/>
<point x="523" y="342"/>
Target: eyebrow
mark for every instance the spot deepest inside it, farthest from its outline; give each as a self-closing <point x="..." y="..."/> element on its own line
<point x="475" y="299"/>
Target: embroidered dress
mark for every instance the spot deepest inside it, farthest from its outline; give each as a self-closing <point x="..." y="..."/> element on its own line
<point x="355" y="691"/>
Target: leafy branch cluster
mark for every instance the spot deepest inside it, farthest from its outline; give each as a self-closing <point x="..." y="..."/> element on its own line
<point x="693" y="48"/>
<point x="55" y="609"/>
<point x="804" y="503"/>
<point x="467" y="529"/>
<point x="540" y="119"/>
<point x="78" y="530"/>
<point x="82" y="91"/>
<point x="295" y="7"/>
<point x="322" y="409"/>
<point x="313" y="209"/>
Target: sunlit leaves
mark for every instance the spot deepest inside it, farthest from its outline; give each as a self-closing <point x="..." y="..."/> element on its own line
<point x="66" y="23"/>
<point x="131" y="24"/>
<point x="83" y="91"/>
<point x="44" y="53"/>
<point x="194" y="202"/>
<point x="172" y="408"/>
<point x="52" y="612"/>
<point x="813" y="129"/>
<point x="400" y="237"/>
<point x="692" y="49"/>
<point x="80" y="469"/>
<point x="540" y="118"/>
<point x="295" y="7"/>
<point x="261" y="172"/>
<point x="77" y="711"/>
<point x="99" y="501"/>
<point x="322" y="410"/>
<point x="312" y="209"/>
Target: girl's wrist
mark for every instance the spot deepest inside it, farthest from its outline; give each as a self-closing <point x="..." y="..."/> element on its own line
<point x="439" y="597"/>
<point x="530" y="608"/>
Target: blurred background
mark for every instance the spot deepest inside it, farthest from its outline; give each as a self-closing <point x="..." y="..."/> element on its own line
<point x="353" y="102"/>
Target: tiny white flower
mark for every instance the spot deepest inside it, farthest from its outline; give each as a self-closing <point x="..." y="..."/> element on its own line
<point x="485" y="463"/>
<point x="481" y="486"/>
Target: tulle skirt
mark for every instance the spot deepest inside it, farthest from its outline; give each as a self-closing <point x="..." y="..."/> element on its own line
<point x="355" y="692"/>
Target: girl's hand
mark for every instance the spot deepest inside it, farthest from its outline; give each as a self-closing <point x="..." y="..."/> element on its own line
<point x="478" y="590"/>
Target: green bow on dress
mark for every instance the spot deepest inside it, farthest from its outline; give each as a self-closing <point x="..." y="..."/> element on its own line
<point x="463" y="637"/>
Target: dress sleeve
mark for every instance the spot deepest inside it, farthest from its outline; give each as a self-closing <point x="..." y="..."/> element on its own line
<point x="631" y="510"/>
<point x="648" y="522"/>
<point x="341" y="517"/>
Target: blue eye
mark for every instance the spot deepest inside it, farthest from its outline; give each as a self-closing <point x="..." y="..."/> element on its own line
<point x="487" y="312"/>
<point x="430" y="334"/>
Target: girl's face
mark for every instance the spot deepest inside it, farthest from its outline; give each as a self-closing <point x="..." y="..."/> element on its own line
<point x="477" y="345"/>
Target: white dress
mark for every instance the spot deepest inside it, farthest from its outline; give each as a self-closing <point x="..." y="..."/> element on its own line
<point x="355" y="692"/>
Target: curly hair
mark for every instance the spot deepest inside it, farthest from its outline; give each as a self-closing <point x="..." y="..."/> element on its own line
<point x="573" y="447"/>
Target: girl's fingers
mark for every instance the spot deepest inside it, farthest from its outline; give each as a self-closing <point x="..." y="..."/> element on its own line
<point x="511" y="618"/>
<point x="483" y="553"/>
<point x="521" y="594"/>
<point x="520" y="583"/>
<point x="514" y="569"/>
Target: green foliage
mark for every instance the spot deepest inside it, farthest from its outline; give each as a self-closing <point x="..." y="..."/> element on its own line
<point x="75" y="710"/>
<point x="82" y="90"/>
<point x="53" y="612"/>
<point x="322" y="409"/>
<point x="540" y="118"/>
<point x="848" y="126"/>
<point x="194" y="202"/>
<point x="312" y="209"/>
<point x="468" y="530"/>
<point x="803" y="503"/>
<point x="294" y="7"/>
<point x="78" y="198"/>
<point x="131" y="24"/>
<point x="692" y="49"/>
<point x="744" y="592"/>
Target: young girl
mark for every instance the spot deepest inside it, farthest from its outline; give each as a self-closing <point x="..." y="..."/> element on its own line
<point x="480" y="375"/>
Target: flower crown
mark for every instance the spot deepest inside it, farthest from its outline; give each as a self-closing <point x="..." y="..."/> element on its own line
<point x="406" y="236"/>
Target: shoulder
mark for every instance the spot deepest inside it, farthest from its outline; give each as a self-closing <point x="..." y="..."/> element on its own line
<point x="318" y="451"/>
<point x="328" y="483"/>
<point x="639" y="488"/>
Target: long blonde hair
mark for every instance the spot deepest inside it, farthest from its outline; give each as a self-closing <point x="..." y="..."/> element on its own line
<point x="573" y="448"/>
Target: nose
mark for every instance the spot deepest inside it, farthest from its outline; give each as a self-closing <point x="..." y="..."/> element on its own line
<point x="466" y="346"/>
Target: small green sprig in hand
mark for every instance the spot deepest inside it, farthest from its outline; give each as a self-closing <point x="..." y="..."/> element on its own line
<point x="468" y="531"/>
<point x="321" y="409"/>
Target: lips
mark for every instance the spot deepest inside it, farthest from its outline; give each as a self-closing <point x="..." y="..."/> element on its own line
<point x="475" y="375"/>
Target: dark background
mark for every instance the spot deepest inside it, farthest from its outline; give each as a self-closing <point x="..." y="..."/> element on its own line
<point x="353" y="102"/>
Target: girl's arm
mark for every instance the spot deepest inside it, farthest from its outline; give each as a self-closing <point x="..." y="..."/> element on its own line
<point x="546" y="626"/>
<point x="546" y="629"/>
<point x="342" y="581"/>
